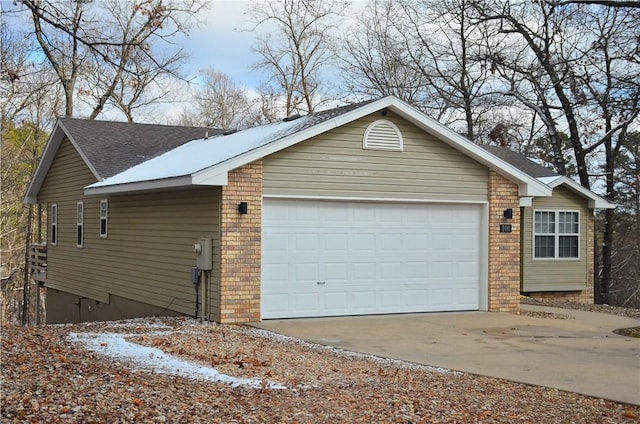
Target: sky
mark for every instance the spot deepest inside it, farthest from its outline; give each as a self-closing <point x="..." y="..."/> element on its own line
<point x="223" y="42"/>
<point x="222" y="39"/>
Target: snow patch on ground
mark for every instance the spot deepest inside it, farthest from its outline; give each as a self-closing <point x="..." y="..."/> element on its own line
<point x="155" y="360"/>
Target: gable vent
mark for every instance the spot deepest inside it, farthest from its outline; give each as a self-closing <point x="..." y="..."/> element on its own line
<point x="382" y="135"/>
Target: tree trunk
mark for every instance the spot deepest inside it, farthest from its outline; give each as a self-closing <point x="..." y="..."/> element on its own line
<point x="24" y="319"/>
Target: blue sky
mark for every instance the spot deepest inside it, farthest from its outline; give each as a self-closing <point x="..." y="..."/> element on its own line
<point x="222" y="41"/>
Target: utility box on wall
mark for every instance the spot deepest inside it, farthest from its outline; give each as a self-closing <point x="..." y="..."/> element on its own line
<point x="204" y="254"/>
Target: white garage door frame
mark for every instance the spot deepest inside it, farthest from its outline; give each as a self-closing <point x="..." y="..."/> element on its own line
<point x="483" y="233"/>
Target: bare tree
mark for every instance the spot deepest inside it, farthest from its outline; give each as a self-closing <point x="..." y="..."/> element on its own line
<point x="578" y="67"/>
<point x="23" y="81"/>
<point x="430" y="54"/>
<point x="625" y="251"/>
<point x="375" y="60"/>
<point x="299" y="50"/>
<point x="108" y="39"/>
<point x="218" y="102"/>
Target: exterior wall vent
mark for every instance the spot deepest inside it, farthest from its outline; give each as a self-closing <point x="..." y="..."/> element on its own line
<point x="382" y="135"/>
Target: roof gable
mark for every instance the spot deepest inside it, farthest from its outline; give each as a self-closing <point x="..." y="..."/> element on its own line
<point x="595" y="201"/>
<point x="221" y="154"/>
<point x="108" y="148"/>
<point x="547" y="176"/>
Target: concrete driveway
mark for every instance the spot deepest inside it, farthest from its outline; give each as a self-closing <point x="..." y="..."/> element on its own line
<point x="580" y="354"/>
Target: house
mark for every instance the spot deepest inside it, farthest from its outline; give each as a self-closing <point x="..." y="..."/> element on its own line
<point x="364" y="209"/>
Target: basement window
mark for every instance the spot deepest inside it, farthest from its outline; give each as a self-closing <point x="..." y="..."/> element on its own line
<point x="382" y="135"/>
<point x="80" y="224"/>
<point x="104" y="216"/>
<point x="556" y="235"/>
<point x="54" y="224"/>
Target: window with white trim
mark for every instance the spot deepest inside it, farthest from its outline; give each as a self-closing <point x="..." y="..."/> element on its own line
<point x="54" y="224"/>
<point x="80" y="224"/>
<point x="382" y="135"/>
<point x="104" y="217"/>
<point x="556" y="234"/>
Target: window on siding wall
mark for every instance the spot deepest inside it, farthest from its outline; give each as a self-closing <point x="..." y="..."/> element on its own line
<point x="382" y="135"/>
<point x="80" y="224"/>
<point x="556" y="235"/>
<point x="104" y="216"/>
<point x="54" y="224"/>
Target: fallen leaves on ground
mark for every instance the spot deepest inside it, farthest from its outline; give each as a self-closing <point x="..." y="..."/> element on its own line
<point x="48" y="378"/>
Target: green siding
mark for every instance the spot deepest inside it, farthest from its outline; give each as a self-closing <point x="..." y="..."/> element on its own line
<point x="147" y="255"/>
<point x="334" y="164"/>
<point x="554" y="274"/>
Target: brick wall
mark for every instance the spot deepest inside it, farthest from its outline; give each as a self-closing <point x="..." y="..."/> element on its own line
<point x="584" y="296"/>
<point x="504" y="248"/>
<point x="240" y="246"/>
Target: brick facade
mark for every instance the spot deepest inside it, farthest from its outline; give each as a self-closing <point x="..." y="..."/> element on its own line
<point x="504" y="248"/>
<point x="241" y="246"/>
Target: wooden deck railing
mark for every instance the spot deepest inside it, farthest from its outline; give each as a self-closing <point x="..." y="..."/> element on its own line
<point x="38" y="261"/>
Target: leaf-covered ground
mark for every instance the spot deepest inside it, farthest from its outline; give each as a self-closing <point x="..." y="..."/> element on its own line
<point x="49" y="375"/>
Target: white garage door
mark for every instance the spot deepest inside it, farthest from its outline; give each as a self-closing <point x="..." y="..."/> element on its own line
<point x="324" y="258"/>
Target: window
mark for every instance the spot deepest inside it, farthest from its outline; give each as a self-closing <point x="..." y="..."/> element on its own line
<point x="79" y="226"/>
<point x="54" y="224"/>
<point x="382" y="135"/>
<point x="556" y="235"/>
<point x="104" y="213"/>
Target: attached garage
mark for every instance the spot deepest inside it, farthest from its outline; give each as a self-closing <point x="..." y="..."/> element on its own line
<point x="329" y="258"/>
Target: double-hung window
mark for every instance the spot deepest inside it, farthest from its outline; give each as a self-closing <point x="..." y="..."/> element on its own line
<point x="80" y="224"/>
<point x="556" y="235"/>
<point x="54" y="224"/>
<point x="104" y="216"/>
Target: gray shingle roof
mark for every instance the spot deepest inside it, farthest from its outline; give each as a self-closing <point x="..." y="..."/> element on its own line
<point x="521" y="162"/>
<point x="113" y="147"/>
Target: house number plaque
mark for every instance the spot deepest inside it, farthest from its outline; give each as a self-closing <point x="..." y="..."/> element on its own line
<point x="505" y="228"/>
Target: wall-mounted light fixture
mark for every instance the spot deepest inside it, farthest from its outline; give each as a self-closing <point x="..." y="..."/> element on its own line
<point x="243" y="208"/>
<point x="508" y="213"/>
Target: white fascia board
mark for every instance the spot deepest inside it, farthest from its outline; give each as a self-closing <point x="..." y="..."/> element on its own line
<point x="527" y="185"/>
<point x="139" y="186"/>
<point x="595" y="201"/>
<point x="221" y="179"/>
<point x="526" y="202"/>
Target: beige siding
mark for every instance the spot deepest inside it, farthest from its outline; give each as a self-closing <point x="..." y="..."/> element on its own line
<point x="550" y="274"/>
<point x="335" y="165"/>
<point x="147" y="255"/>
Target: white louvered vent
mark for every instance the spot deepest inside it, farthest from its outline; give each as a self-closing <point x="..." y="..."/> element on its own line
<point x="382" y="135"/>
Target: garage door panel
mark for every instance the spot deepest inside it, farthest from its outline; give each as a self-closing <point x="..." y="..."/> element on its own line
<point x="336" y="243"/>
<point x="306" y="302"/>
<point x="305" y="272"/>
<point x="442" y="241"/>
<point x="417" y="298"/>
<point x="336" y="302"/>
<point x="362" y="271"/>
<point x="368" y="257"/>
<point x="361" y="243"/>
<point x="416" y="270"/>
<point x="441" y="297"/>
